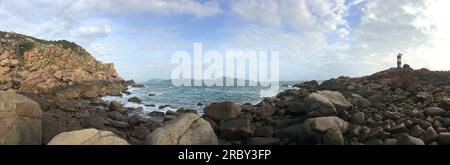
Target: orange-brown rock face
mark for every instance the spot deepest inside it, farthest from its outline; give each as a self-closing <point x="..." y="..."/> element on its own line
<point x="34" y="65"/>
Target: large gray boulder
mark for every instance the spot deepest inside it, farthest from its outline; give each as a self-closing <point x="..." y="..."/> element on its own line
<point x="20" y="120"/>
<point x="223" y="111"/>
<point x="317" y="127"/>
<point x="327" y="103"/>
<point x="87" y="137"/>
<point x="186" y="129"/>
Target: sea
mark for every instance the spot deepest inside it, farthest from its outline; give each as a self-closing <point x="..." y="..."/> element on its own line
<point x="162" y="95"/>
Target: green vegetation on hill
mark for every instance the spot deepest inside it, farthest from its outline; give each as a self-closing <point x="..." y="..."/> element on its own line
<point x="26" y="43"/>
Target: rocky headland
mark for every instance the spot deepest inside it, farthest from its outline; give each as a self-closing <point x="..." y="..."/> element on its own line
<point x="50" y="93"/>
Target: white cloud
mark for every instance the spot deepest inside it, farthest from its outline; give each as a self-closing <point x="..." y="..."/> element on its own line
<point x="196" y="8"/>
<point x="300" y="15"/>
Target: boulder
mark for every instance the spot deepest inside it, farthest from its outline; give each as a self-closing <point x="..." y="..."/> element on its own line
<point x="333" y="137"/>
<point x="20" y="120"/>
<point x="117" y="116"/>
<point x="430" y="135"/>
<point x="266" y="131"/>
<point x="186" y="129"/>
<point x="358" y="118"/>
<point x="296" y="106"/>
<point x="445" y="104"/>
<point x="54" y="123"/>
<point x="94" y="121"/>
<point x="291" y="132"/>
<point x="434" y="111"/>
<point x="222" y="111"/>
<point x="140" y="132"/>
<point x="327" y="103"/>
<point x="137" y="119"/>
<point x="409" y="140"/>
<point x="116" y="124"/>
<point x="401" y="128"/>
<point x="338" y="100"/>
<point x="116" y="106"/>
<point x="444" y="138"/>
<point x="266" y="111"/>
<point x="375" y="133"/>
<point x="416" y="131"/>
<point x="360" y="101"/>
<point x="236" y="129"/>
<point x="321" y="105"/>
<point x="134" y="100"/>
<point x="87" y="137"/>
<point x="321" y="125"/>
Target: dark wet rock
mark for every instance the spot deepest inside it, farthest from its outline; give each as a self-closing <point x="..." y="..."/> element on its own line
<point x="134" y="100"/>
<point x="140" y="132"/>
<point x="151" y="94"/>
<point x="183" y="110"/>
<point x="164" y="106"/>
<point x="116" y="124"/>
<point x="116" y="106"/>
<point x="236" y="129"/>
<point x="309" y="85"/>
<point x="266" y="131"/>
<point x="138" y="86"/>
<point x="93" y="121"/>
<point x="137" y="119"/>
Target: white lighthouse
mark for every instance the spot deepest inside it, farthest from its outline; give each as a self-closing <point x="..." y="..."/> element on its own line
<point x="399" y="60"/>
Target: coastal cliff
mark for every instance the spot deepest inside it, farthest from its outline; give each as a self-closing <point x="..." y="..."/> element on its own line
<point x="31" y="64"/>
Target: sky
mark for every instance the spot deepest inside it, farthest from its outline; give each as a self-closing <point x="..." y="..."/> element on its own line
<point x="316" y="39"/>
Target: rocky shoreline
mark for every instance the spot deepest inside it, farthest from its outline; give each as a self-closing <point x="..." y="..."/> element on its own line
<point x="49" y="94"/>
